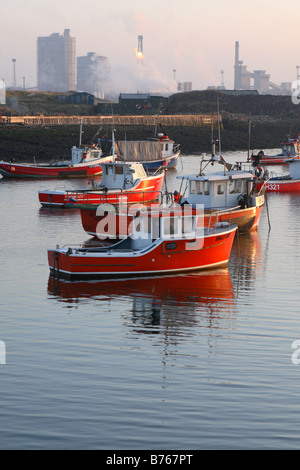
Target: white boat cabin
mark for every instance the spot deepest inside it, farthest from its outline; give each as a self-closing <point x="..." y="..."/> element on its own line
<point x="167" y="224"/>
<point x="217" y="190"/>
<point x="121" y="175"/>
<point x="85" y="155"/>
<point x="168" y="146"/>
<point x="291" y="148"/>
<point x="295" y="170"/>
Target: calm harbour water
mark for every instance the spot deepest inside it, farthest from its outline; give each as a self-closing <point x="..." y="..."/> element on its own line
<point x="202" y="361"/>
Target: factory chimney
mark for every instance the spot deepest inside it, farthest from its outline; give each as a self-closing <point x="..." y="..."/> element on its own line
<point x="237" y="74"/>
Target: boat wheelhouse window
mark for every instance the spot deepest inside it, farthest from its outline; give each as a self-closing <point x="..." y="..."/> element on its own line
<point x="237" y="186"/>
<point x="119" y="170"/>
<point x="142" y="224"/>
<point x="196" y="187"/>
<point x="206" y="188"/>
<point x="187" y="224"/>
<point x="170" y="226"/>
<point x="199" y="187"/>
<point x="166" y="147"/>
<point x="221" y="189"/>
<point x="110" y="170"/>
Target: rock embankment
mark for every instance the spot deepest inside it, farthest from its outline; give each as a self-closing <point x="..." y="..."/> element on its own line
<point x="273" y="118"/>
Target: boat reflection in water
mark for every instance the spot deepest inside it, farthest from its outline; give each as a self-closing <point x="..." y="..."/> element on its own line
<point x="156" y="300"/>
<point x="246" y="260"/>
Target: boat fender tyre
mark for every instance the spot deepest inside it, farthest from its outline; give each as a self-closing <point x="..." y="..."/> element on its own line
<point x="242" y="200"/>
<point x="259" y="172"/>
<point x="128" y="181"/>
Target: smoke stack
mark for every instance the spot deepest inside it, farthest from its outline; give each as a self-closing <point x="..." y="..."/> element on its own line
<point x="237" y="84"/>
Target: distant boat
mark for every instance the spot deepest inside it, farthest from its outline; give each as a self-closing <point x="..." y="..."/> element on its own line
<point x="289" y="150"/>
<point x="282" y="183"/>
<point x="166" y="251"/>
<point x="152" y="153"/>
<point x="85" y="162"/>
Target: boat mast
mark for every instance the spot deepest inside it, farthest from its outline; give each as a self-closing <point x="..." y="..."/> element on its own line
<point x="219" y="127"/>
<point x="249" y="137"/>
<point x="213" y="143"/>
<point x="113" y="145"/>
<point x="80" y="133"/>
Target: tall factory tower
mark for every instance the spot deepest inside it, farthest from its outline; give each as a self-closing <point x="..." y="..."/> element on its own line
<point x="241" y="75"/>
<point x="56" y="62"/>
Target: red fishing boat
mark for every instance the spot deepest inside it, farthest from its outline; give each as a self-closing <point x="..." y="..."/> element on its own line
<point x="289" y="150"/>
<point x="164" y="245"/>
<point x="121" y="183"/>
<point x="225" y="196"/>
<point x="85" y="162"/>
<point x="282" y="183"/>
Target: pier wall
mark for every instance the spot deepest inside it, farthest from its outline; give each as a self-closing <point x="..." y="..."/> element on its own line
<point x="195" y="120"/>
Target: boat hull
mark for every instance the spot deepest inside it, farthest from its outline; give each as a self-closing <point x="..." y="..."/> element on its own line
<point x="246" y="219"/>
<point x="169" y="162"/>
<point x="162" y="257"/>
<point x="275" y="160"/>
<point x="282" y="185"/>
<point x="145" y="191"/>
<point x="81" y="170"/>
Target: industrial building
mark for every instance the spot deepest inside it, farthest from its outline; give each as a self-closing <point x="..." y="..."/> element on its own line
<point x="141" y="103"/>
<point x="184" y="86"/>
<point x="256" y="80"/>
<point x="135" y="104"/>
<point x="56" y="62"/>
<point x="92" y="74"/>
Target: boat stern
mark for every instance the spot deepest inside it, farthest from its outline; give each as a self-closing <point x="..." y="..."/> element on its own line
<point x="60" y="262"/>
<point x="49" y="198"/>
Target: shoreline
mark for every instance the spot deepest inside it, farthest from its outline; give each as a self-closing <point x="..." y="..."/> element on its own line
<point x="23" y="143"/>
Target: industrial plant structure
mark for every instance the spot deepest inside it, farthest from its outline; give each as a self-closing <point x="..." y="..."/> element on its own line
<point x="92" y="74"/>
<point x="256" y="80"/>
<point x="56" y="62"/>
<point x="140" y="51"/>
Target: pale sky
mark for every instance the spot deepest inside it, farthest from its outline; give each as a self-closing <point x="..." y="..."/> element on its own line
<point x="194" y="37"/>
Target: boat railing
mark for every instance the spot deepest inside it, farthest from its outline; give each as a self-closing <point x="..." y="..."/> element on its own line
<point x="176" y="148"/>
<point x="214" y="216"/>
<point x="243" y="166"/>
<point x="120" y="197"/>
<point x="273" y="174"/>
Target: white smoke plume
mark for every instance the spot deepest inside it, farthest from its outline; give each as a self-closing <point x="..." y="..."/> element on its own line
<point x="139" y="77"/>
